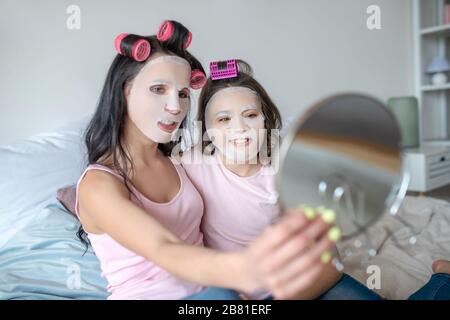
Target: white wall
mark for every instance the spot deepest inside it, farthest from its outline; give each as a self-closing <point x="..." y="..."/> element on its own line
<point x="301" y="50"/>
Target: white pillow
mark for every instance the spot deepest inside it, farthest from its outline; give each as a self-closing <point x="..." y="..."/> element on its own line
<point x="33" y="169"/>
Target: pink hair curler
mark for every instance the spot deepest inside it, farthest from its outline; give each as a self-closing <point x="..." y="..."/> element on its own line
<point x="166" y="30"/>
<point x="118" y="41"/>
<point x="140" y="50"/>
<point x="188" y="40"/>
<point x="223" y="69"/>
<point x="198" y="79"/>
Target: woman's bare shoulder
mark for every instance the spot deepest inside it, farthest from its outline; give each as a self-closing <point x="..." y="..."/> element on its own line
<point x="98" y="184"/>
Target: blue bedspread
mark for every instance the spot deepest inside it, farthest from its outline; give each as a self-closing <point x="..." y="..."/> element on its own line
<point x="45" y="261"/>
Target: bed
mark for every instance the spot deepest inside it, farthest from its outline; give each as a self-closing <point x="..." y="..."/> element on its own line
<point x="41" y="258"/>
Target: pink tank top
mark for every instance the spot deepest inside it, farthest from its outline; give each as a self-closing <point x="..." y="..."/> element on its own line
<point x="131" y="276"/>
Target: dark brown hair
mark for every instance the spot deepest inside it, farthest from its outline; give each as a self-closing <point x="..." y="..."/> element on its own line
<point x="272" y="117"/>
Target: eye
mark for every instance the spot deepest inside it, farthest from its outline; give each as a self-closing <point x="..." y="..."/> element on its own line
<point x="223" y="120"/>
<point x="158" y="89"/>
<point x="251" y="114"/>
<point x="183" y="94"/>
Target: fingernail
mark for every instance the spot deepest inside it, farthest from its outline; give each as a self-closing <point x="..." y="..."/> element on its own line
<point x="325" y="257"/>
<point x="309" y="212"/>
<point x="334" y="234"/>
<point x="320" y="209"/>
<point x="328" y="215"/>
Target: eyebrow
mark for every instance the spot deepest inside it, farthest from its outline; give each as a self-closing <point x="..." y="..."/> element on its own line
<point x="242" y="109"/>
<point x="223" y="113"/>
<point x="248" y="107"/>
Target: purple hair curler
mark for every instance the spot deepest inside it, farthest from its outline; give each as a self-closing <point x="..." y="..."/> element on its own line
<point x="223" y="69"/>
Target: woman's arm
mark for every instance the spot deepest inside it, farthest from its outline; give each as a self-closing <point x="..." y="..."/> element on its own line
<point x="104" y="201"/>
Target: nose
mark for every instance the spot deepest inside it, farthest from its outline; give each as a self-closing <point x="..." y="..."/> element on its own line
<point x="173" y="107"/>
<point x="173" y="110"/>
<point x="239" y="124"/>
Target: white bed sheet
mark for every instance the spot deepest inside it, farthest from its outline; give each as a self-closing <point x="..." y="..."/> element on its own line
<point x="404" y="268"/>
<point x="33" y="169"/>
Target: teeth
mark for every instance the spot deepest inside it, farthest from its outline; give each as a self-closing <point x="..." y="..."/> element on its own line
<point x="244" y="140"/>
<point x="167" y="122"/>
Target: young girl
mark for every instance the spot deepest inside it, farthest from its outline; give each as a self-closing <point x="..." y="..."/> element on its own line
<point x="139" y="210"/>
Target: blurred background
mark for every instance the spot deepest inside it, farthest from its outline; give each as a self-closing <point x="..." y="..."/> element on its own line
<point x="300" y="50"/>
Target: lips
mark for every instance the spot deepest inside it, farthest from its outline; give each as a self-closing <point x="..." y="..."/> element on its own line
<point x="167" y="126"/>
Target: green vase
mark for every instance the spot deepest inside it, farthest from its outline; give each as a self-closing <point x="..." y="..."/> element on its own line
<point x="406" y="110"/>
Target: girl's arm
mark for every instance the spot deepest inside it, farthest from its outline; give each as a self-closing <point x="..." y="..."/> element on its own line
<point x="104" y="201"/>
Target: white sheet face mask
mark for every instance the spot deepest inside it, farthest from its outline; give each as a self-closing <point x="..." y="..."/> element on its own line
<point x="159" y="98"/>
<point x="235" y="123"/>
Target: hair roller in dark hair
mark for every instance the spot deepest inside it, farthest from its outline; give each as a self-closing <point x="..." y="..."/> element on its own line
<point x="132" y="46"/>
<point x="169" y="31"/>
<point x="198" y="79"/>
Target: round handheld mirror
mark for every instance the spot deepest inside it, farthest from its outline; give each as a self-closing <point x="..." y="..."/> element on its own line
<point x="344" y="154"/>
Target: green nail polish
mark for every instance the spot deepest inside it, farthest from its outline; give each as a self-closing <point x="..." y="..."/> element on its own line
<point x="329" y="216"/>
<point x="334" y="234"/>
<point x="309" y="213"/>
<point x="321" y="209"/>
<point x="325" y="257"/>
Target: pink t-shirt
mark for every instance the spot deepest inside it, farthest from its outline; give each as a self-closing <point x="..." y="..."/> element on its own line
<point x="237" y="209"/>
<point x="131" y="276"/>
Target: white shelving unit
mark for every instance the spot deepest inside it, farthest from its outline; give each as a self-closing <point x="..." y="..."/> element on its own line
<point x="428" y="88"/>
<point x="429" y="165"/>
